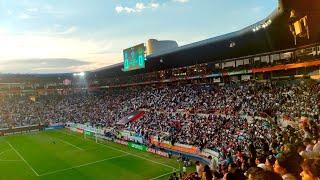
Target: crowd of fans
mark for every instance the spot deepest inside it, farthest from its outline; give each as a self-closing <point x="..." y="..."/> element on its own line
<point x="240" y="121"/>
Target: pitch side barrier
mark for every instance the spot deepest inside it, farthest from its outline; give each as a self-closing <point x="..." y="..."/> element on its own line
<point x="55" y="126"/>
<point x="187" y="155"/>
<point x="164" y="148"/>
<point x="21" y="129"/>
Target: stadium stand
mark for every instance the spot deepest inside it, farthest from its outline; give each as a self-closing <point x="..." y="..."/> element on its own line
<point x="229" y="119"/>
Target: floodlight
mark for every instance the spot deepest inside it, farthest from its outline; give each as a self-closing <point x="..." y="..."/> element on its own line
<point x="81" y="74"/>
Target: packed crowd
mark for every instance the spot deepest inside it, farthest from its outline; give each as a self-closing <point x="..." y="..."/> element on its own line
<point x="280" y="153"/>
<point x="225" y="118"/>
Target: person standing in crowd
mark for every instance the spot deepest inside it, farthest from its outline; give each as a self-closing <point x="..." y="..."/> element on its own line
<point x="235" y="172"/>
<point x="256" y="173"/>
<point x="207" y="174"/>
<point x="308" y="143"/>
<point x="311" y="169"/>
<point x="174" y="176"/>
<point x="288" y="166"/>
<point x="213" y="163"/>
<point x="260" y="162"/>
<point x="198" y="167"/>
<point x="270" y="163"/>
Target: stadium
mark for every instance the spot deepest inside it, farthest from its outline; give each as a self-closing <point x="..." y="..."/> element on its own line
<point x="244" y="105"/>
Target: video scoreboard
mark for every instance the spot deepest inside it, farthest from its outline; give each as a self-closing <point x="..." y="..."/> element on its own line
<point x="134" y="58"/>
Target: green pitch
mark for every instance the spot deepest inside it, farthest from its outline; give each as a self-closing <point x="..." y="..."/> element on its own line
<point x="60" y="154"/>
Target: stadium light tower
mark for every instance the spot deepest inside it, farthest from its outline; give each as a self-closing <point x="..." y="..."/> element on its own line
<point x="80" y="74"/>
<point x="80" y="80"/>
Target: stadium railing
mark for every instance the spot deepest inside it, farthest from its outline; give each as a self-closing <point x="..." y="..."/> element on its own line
<point x="178" y="150"/>
<point x="21" y="129"/>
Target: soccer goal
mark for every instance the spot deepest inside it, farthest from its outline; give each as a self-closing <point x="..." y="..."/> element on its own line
<point x="91" y="135"/>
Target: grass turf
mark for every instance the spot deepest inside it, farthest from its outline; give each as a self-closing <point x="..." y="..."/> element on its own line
<point x="60" y="154"/>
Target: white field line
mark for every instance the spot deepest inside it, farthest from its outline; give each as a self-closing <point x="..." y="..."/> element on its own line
<point x="5" y="151"/>
<point x="161" y="176"/>
<point x="22" y="158"/>
<point x="3" y="160"/>
<point x="173" y="168"/>
<point x="141" y="157"/>
<point x="66" y="142"/>
<point x="82" y="165"/>
<point x="87" y="149"/>
<point x="7" y="160"/>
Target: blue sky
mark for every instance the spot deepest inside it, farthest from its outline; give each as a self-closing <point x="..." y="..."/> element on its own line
<point x="49" y="36"/>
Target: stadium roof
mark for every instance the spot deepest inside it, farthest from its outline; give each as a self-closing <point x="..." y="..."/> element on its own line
<point x="269" y="34"/>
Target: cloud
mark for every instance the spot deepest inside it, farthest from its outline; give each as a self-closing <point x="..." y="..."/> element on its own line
<point x="46" y="65"/>
<point x="120" y="9"/>
<point x="56" y="30"/>
<point x="25" y="16"/>
<point x="70" y="30"/>
<point x="49" y="10"/>
<point x="32" y="9"/>
<point x="58" y="62"/>
<point x="9" y="12"/>
<point x="181" y="1"/>
<point x="43" y="46"/>
<point x="3" y="31"/>
<point x="139" y="7"/>
<point x="91" y="66"/>
<point x="38" y="11"/>
<point x="154" y="5"/>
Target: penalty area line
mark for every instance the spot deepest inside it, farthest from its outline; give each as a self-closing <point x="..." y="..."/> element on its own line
<point x="82" y="165"/>
<point x="5" y="151"/>
<point x="66" y="142"/>
<point x="8" y="160"/>
<point x="22" y="158"/>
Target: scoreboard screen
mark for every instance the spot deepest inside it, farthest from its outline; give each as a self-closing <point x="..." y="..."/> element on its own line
<point x="134" y="58"/>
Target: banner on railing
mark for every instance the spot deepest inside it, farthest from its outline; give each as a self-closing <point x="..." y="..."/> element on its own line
<point x="186" y="150"/>
<point x="78" y="130"/>
<point x="160" y="153"/>
<point x="208" y="152"/>
<point x="130" y="136"/>
<point x="88" y="133"/>
<point x="176" y="147"/>
<point x="138" y="146"/>
<point x="121" y="142"/>
<point x="55" y="126"/>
